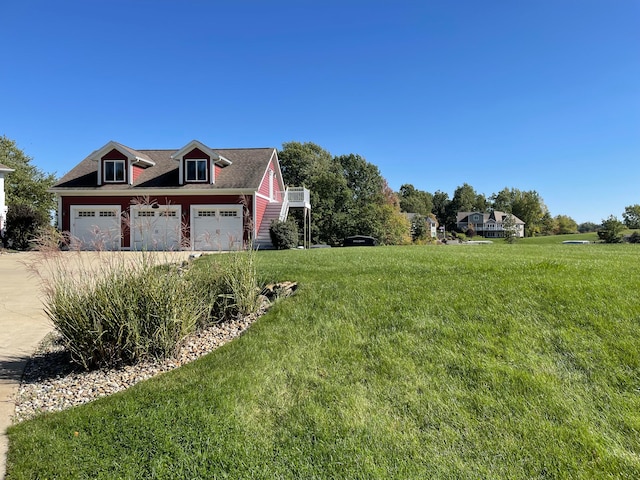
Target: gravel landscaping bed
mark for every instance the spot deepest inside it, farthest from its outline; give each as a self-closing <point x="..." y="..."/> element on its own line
<point x="51" y="382"/>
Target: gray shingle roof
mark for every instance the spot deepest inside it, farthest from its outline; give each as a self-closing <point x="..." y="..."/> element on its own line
<point x="245" y="172"/>
<point x="495" y="215"/>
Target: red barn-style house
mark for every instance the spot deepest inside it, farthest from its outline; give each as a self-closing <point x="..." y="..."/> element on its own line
<point x="194" y="198"/>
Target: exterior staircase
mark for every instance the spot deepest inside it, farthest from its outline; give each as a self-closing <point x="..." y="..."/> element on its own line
<point x="273" y="212"/>
<point x="293" y="197"/>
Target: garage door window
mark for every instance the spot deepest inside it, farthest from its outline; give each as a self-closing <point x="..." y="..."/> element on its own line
<point x="206" y="213"/>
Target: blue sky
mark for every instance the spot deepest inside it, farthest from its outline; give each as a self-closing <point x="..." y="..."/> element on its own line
<point x="532" y="94"/>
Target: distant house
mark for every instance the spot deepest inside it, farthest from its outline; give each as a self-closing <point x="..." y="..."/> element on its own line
<point x="194" y="198"/>
<point x="3" y="204"/>
<point x="488" y="225"/>
<point x="432" y="224"/>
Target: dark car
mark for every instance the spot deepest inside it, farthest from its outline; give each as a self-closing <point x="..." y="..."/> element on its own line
<point x="359" y="241"/>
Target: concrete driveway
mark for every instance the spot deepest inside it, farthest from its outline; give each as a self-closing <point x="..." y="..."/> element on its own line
<point x="23" y="324"/>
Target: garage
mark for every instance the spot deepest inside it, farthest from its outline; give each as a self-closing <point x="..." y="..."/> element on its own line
<point x="216" y="227"/>
<point x="96" y="227"/>
<point x="155" y="227"/>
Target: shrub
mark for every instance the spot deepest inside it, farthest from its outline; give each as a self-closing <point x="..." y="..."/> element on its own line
<point x="284" y="235"/>
<point x="24" y="224"/>
<point x="634" y="237"/>
<point x="611" y="231"/>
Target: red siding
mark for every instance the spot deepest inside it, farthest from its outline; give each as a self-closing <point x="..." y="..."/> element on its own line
<point x="114" y="155"/>
<point x="185" y="202"/>
<point x="197" y="153"/>
<point x="261" y="207"/>
<point x="264" y="186"/>
<point x="136" y="172"/>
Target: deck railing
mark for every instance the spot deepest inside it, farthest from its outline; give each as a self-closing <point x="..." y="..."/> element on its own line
<point x="298" y="195"/>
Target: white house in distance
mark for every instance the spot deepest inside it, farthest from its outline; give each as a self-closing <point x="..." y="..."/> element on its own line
<point x="432" y="224"/>
<point x="488" y="225"/>
<point x="3" y="203"/>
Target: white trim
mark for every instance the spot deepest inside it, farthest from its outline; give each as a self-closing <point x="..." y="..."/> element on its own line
<point x="124" y="150"/>
<point x="258" y="194"/>
<point x="126" y="165"/>
<point x="206" y="174"/>
<point x="254" y="213"/>
<point x="202" y="147"/>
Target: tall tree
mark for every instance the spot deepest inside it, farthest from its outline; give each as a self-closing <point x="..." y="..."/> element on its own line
<point x="27" y="184"/>
<point x="441" y="206"/>
<point x="528" y="206"/>
<point x="510" y="229"/>
<point x="631" y="216"/>
<point x="413" y="200"/>
<point x="300" y="162"/>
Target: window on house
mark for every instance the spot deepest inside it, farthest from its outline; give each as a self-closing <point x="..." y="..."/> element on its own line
<point x="114" y="170"/>
<point x="196" y="170"/>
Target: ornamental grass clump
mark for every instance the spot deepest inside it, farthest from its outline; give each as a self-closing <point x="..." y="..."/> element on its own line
<point x="116" y="308"/>
<point x="241" y="291"/>
<point x="125" y="316"/>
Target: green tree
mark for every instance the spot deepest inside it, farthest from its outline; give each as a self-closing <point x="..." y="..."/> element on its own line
<point x="441" y="203"/>
<point x="27" y="184"/>
<point x="349" y="196"/>
<point x="631" y="216"/>
<point x="510" y="228"/>
<point x="393" y="226"/>
<point x="528" y="206"/>
<point x="611" y="231"/>
<point x="413" y="200"/>
<point x="565" y="225"/>
<point x="300" y="162"/>
<point x="310" y="166"/>
<point x="548" y="224"/>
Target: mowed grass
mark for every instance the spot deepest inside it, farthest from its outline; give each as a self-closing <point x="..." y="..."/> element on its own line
<point x="485" y="361"/>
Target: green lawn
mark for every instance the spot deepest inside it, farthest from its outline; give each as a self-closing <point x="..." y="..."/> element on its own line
<point x="485" y="361"/>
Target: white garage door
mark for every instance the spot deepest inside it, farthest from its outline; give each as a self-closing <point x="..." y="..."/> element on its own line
<point x="96" y="227"/>
<point x="155" y="228"/>
<point x="216" y="227"/>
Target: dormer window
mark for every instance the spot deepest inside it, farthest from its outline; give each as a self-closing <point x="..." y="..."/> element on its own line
<point x="114" y="171"/>
<point x="196" y="169"/>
